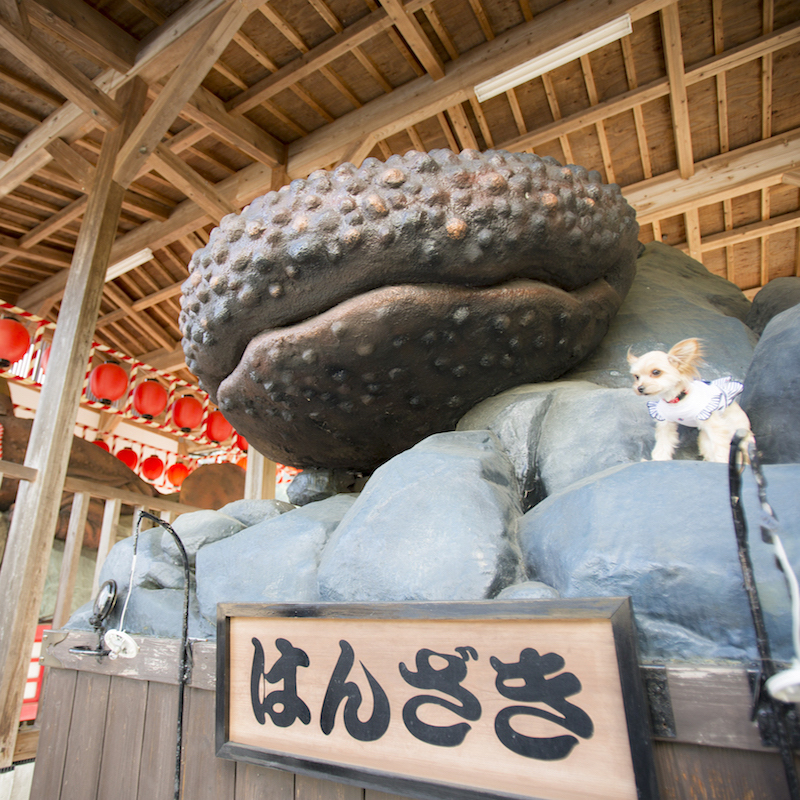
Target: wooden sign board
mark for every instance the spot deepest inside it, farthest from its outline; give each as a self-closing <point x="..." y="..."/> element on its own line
<point x="496" y="699"/>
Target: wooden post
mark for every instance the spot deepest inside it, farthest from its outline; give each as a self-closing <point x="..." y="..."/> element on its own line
<point x="259" y="481"/>
<point x="30" y="537"/>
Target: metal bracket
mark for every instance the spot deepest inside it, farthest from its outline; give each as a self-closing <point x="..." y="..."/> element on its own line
<point x="51" y="639"/>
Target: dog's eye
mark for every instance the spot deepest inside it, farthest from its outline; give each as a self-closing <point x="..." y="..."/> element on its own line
<point x="636" y="377"/>
<point x="655" y="373"/>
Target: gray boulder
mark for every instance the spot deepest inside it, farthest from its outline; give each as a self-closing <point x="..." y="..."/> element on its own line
<point x="274" y="561"/>
<point x="673" y="297"/>
<point x="196" y="529"/>
<point x="437" y="522"/>
<point x="561" y="432"/>
<point x="313" y="484"/>
<point x="251" y="512"/>
<point x="771" y="395"/>
<point x="777" y="296"/>
<point x="528" y="590"/>
<point x="662" y="533"/>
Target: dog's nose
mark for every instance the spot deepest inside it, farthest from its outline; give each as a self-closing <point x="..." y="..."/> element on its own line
<point x="640" y="389"/>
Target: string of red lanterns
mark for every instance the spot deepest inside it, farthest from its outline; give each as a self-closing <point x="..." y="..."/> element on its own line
<point x="14" y="341"/>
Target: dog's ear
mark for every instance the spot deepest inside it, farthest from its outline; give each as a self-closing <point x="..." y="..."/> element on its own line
<point x="686" y="355"/>
<point x="631" y="357"/>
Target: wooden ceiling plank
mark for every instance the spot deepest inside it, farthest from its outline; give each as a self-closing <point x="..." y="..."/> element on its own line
<point x="220" y="29"/>
<point x="483" y="20"/>
<point x="159" y="51"/>
<point x="206" y="109"/>
<point x="254" y="51"/>
<point x="516" y="111"/>
<point x="416" y="139"/>
<point x="143" y="322"/>
<point x="555" y="110"/>
<point x="767" y="24"/>
<point x="19" y="111"/>
<point x="338" y="84"/>
<point x="791" y="178"/>
<point x="423" y="98"/>
<point x="372" y="68"/>
<point x="87" y="30"/>
<point x="483" y="124"/>
<point x="173" y="290"/>
<point x="324" y="10"/>
<point x="679" y="102"/>
<point x="438" y="26"/>
<point x="47" y="255"/>
<point x="444" y="123"/>
<point x="61" y="75"/>
<point x="15" y="14"/>
<point x="412" y="32"/>
<point x="310" y="62"/>
<point x="594" y="100"/>
<point x="638" y="113"/>
<point x="73" y="163"/>
<point x="163" y="359"/>
<point x="692" y="223"/>
<point x="191" y="183"/>
<point x="752" y="231"/>
<point x="461" y="126"/>
<point x="726" y="175"/>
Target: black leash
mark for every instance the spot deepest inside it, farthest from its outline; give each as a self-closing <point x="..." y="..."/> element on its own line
<point x="777" y="709"/>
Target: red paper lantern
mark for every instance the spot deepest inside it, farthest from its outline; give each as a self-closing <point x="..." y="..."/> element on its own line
<point x="149" y="398"/>
<point x="241" y="442"/>
<point x="14" y="341"/>
<point x="187" y="412"/>
<point x="177" y="474"/>
<point x="108" y="382"/>
<point x="102" y="445"/>
<point x="218" y="428"/>
<point x="152" y="468"/>
<point x="128" y="457"/>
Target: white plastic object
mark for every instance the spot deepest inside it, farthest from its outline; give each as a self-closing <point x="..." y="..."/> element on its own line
<point x="785" y="685"/>
<point x="120" y="644"/>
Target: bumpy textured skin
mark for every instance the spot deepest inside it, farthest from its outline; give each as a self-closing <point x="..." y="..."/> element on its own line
<point x="342" y="319"/>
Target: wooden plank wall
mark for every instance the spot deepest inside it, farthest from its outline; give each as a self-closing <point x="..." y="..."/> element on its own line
<point x="112" y="738"/>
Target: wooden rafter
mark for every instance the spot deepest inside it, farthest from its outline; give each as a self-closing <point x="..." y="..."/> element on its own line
<point x="679" y="102"/>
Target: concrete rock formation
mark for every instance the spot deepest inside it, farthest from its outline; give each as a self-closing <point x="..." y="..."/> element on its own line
<point x="342" y="319"/>
<point x="771" y="395"/>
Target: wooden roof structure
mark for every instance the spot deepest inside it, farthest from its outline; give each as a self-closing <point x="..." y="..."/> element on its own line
<point x="696" y="115"/>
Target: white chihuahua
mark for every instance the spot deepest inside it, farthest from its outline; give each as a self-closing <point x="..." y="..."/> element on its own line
<point x="678" y="397"/>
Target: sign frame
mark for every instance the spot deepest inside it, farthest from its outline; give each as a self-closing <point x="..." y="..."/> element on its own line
<point x="617" y="610"/>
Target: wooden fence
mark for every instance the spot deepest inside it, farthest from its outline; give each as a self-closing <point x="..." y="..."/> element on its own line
<point x="109" y="733"/>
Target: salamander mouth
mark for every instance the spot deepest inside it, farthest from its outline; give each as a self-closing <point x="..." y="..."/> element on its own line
<point x="382" y="303"/>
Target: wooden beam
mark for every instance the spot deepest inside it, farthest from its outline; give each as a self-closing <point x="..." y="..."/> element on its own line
<point x="73" y="163"/>
<point x="334" y="47"/>
<point x="791" y="178"/>
<point x="208" y="110"/>
<point x="423" y="98"/>
<point x="417" y="39"/>
<point x="462" y="128"/>
<point x="61" y="75"/>
<point x="259" y="479"/>
<point x="679" y="102"/>
<point x="30" y="536"/>
<point x="191" y="183"/>
<point x="656" y="89"/>
<point x="726" y="175"/>
<point x="14" y="14"/>
<point x="159" y="52"/>
<point x="219" y="30"/>
<point x="692" y="223"/>
<point x="88" y="30"/>
<point x="142" y="320"/>
<point x="167" y="360"/>
<point x="748" y="233"/>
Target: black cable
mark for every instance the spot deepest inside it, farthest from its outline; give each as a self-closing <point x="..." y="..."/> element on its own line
<point x="777" y="709"/>
<point x="184" y="665"/>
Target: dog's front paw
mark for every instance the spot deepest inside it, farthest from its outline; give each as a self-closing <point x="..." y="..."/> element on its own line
<point x="661" y="453"/>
